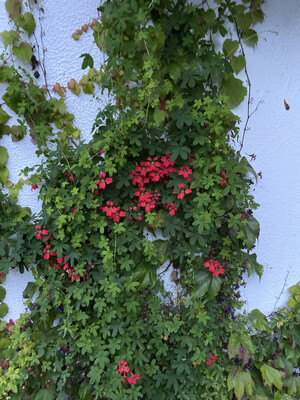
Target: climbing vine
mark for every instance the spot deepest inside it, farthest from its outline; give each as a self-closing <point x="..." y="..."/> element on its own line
<point x="158" y="193"/>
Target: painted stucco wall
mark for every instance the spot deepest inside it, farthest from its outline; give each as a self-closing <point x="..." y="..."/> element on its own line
<point x="274" y="136"/>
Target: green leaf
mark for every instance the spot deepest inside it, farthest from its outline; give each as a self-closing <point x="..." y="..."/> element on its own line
<point x="29" y="290"/>
<point x="252" y="265"/>
<point x="13" y="7"/>
<point x="3" y="310"/>
<point x="230" y="47"/>
<point x="251" y="231"/>
<point x="4" y="343"/>
<point x="44" y="394"/>
<point x="238" y="63"/>
<point x="146" y="275"/>
<point x="27" y="22"/>
<point x="250" y="37"/>
<point x="234" y="89"/>
<point x="87" y="61"/>
<point x="207" y="284"/>
<point x="4" y="173"/>
<point x="271" y="376"/>
<point x="240" y="346"/>
<point x="85" y="392"/>
<point x="8" y="37"/>
<point x="2" y="293"/>
<point x="244" y="21"/>
<point x="3" y="156"/>
<point x="4" y="117"/>
<point x="241" y="382"/>
<point x="259" y="321"/>
<point x="23" y="51"/>
<point x="161" y="247"/>
<point x="159" y="116"/>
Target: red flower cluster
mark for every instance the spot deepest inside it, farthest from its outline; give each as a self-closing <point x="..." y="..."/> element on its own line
<point x="34" y="187"/>
<point x="215" y="267"/>
<point x="182" y="191"/>
<point x="2" y="275"/>
<point x="68" y="175"/>
<point x="123" y="370"/>
<point x="147" y="200"/>
<point x="40" y="232"/>
<point x="211" y="359"/>
<point x="223" y="181"/>
<point x="162" y="105"/>
<point x="171" y="207"/>
<point x="47" y="251"/>
<point x="103" y="181"/>
<point x="112" y="211"/>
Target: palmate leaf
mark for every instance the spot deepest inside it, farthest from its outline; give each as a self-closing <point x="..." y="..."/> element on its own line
<point x="234" y="89"/>
<point x="240" y="381"/>
<point x="271" y="376"/>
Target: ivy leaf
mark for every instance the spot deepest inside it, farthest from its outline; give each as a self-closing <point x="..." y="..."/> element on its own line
<point x="244" y="21"/>
<point x="4" y="117"/>
<point x="3" y="310"/>
<point x="3" y="156"/>
<point x="234" y="89"/>
<point x="3" y="174"/>
<point x="250" y="37"/>
<point x="23" y="51"/>
<point x="13" y="7"/>
<point x="230" y="47"/>
<point x="259" y="321"/>
<point x="2" y="293"/>
<point x="8" y="37"/>
<point x="87" y="61"/>
<point x="27" y="22"/>
<point x="238" y="63"/>
<point x="240" y="382"/>
<point x="271" y="376"/>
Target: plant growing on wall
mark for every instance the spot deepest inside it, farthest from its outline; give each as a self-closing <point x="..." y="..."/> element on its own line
<point x="162" y="160"/>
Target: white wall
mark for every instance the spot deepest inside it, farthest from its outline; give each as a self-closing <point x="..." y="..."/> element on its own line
<point x="274" y="135"/>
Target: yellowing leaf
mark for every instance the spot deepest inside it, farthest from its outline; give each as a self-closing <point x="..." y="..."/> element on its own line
<point x="271" y="376"/>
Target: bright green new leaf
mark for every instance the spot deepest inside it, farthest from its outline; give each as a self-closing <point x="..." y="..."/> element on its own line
<point x="271" y="376"/>
<point x="27" y="22"/>
<point x="24" y="50"/>
<point x="159" y="116"/>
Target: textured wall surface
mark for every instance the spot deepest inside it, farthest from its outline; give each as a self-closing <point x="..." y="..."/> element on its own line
<point x="273" y="135"/>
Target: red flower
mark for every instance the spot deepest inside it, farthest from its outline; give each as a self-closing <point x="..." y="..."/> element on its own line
<point x="171" y="207"/>
<point x="211" y="357"/>
<point x="123" y="370"/>
<point x="223" y="182"/>
<point x="208" y="362"/>
<point x="2" y="275"/>
<point x="182" y="191"/>
<point x="215" y="267"/>
<point x="34" y="187"/>
<point x="40" y="232"/>
<point x="185" y="172"/>
<point x="103" y="181"/>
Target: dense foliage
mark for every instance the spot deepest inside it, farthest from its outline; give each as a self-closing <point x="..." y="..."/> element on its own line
<point x="159" y="192"/>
